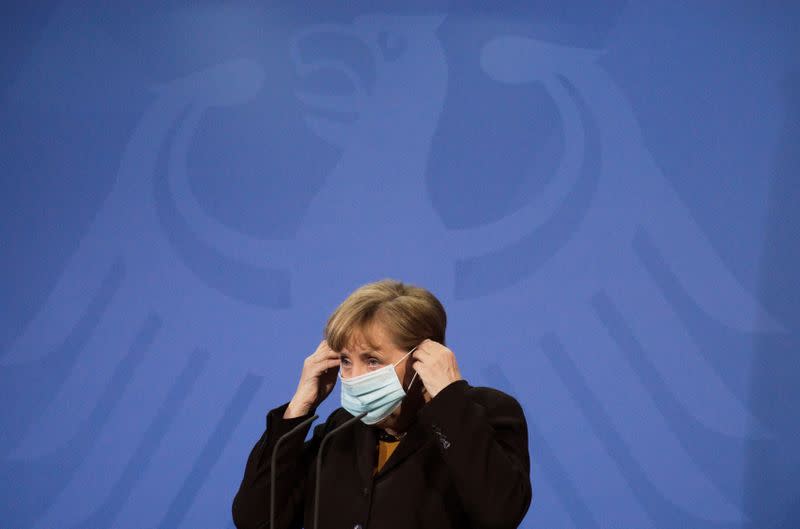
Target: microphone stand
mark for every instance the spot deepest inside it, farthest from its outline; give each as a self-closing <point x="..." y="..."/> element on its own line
<point x="274" y="462"/>
<point x="319" y="462"/>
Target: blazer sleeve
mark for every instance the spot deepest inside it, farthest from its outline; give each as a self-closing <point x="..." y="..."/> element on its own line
<point x="251" y="506"/>
<point x="484" y="443"/>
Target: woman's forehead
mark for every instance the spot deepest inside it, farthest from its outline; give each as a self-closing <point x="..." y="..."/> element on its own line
<point x="366" y="338"/>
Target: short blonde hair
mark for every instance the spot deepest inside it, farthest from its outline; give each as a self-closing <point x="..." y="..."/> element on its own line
<point x="410" y="314"/>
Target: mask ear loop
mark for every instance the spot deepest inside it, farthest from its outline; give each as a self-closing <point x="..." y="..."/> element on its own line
<point x="415" y="373"/>
<point x="412" y="381"/>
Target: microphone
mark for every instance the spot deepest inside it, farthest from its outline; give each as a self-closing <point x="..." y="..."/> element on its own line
<point x="345" y="424"/>
<point x="272" y="468"/>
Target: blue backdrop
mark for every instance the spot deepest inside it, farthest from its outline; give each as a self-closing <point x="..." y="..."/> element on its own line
<point x="603" y="195"/>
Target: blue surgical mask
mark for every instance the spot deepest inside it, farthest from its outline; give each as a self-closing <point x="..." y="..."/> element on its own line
<point x="378" y="392"/>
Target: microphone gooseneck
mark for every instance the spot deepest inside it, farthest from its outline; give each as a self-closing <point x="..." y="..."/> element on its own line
<point x="273" y="463"/>
<point x="345" y="424"/>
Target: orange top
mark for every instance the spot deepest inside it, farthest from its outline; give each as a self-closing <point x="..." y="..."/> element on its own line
<point x="385" y="449"/>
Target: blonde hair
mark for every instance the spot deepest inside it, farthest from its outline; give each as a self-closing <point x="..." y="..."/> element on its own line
<point x="410" y="314"/>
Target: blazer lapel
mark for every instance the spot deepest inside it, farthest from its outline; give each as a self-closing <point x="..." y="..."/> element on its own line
<point x="365" y="440"/>
<point x="415" y="439"/>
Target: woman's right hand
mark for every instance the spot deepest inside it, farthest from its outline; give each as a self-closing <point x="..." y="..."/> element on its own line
<point x="317" y="380"/>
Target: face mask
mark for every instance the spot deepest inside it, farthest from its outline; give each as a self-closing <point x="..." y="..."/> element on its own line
<point x="378" y="392"/>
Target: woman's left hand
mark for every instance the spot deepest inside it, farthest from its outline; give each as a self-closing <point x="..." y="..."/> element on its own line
<point x="436" y="365"/>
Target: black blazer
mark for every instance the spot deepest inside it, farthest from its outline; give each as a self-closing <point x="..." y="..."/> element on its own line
<point x="463" y="464"/>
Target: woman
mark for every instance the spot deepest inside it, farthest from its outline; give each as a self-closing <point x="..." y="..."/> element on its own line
<point x="431" y="451"/>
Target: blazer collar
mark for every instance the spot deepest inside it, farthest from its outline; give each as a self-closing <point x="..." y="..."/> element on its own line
<point x="366" y="443"/>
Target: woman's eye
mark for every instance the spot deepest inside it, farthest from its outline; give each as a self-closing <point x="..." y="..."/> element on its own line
<point x="373" y="362"/>
<point x="345" y="362"/>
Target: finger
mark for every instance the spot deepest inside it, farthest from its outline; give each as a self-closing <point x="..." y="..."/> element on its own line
<point x="323" y="356"/>
<point x="421" y="353"/>
<point x="332" y="363"/>
<point x="324" y="347"/>
<point x="329" y="364"/>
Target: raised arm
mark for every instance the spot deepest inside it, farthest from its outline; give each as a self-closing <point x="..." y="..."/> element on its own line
<point x="251" y="505"/>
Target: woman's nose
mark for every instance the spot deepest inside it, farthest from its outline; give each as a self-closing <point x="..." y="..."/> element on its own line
<point x="358" y="369"/>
